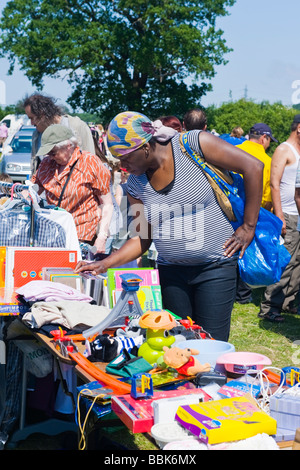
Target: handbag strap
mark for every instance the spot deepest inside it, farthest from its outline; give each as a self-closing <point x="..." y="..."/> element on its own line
<point x="221" y="183"/>
<point x="65" y="185"/>
<point x="210" y="169"/>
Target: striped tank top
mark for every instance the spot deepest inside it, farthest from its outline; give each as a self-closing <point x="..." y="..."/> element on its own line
<point x="188" y="225"/>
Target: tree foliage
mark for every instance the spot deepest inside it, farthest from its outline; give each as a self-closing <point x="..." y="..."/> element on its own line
<point x="118" y="54"/>
<point x="245" y="113"/>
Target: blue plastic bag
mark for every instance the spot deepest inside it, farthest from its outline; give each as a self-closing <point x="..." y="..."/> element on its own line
<point x="266" y="257"/>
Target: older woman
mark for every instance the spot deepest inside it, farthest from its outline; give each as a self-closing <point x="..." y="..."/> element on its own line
<point x="174" y="205"/>
<point x="77" y="181"/>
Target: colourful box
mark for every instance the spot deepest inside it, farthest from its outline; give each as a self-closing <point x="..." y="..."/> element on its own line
<point x="138" y="414"/>
<point x="226" y="420"/>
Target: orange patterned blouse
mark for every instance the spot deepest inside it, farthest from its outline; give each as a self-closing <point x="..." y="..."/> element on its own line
<point x="89" y="180"/>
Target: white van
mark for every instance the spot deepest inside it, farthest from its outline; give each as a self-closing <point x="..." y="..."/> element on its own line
<point x="14" y="122"/>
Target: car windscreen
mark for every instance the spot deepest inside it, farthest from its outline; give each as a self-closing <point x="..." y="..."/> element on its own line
<point x="21" y="144"/>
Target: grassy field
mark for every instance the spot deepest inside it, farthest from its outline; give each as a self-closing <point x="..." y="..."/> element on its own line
<point x="279" y="341"/>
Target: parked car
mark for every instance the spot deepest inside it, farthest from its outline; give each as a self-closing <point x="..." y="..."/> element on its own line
<point x="16" y="156"/>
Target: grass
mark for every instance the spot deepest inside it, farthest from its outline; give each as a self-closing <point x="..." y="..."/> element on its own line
<point x="278" y="341"/>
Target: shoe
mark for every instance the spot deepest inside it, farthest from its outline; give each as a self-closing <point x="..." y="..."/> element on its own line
<point x="291" y="309"/>
<point x="274" y="317"/>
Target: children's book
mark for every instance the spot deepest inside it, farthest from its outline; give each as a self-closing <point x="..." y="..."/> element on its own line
<point x="149" y="293"/>
<point x="65" y="276"/>
<point x="225" y="420"/>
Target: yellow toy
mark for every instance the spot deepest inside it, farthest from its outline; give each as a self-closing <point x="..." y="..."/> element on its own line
<point x="157" y="323"/>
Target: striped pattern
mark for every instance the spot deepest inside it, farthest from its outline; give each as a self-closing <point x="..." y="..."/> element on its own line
<point x="89" y="180"/>
<point x="188" y="225"/>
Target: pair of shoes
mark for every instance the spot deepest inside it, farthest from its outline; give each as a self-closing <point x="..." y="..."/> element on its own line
<point x="292" y="309"/>
<point x="274" y="317"/>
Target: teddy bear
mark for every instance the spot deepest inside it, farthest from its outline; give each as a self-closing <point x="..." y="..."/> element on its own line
<point x="183" y="360"/>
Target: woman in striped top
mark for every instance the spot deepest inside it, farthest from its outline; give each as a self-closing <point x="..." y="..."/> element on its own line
<point x="174" y="205"/>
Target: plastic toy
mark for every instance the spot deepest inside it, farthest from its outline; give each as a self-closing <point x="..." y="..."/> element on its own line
<point x="126" y="306"/>
<point x="157" y="323"/>
<point x="68" y="349"/>
<point x="294" y="376"/>
<point x="146" y="388"/>
<point x="199" y="332"/>
<point x="241" y="362"/>
<point x="183" y="361"/>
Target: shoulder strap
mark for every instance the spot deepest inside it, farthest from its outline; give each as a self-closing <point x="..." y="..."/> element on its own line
<point x="220" y="181"/>
<point x="65" y="185"/>
<point x="293" y="149"/>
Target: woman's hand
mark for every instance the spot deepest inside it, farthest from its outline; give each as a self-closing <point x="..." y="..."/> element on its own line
<point x="95" y="267"/>
<point x="239" y="241"/>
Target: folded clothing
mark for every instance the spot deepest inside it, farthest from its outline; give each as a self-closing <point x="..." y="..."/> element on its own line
<point x="49" y="291"/>
<point x="67" y="313"/>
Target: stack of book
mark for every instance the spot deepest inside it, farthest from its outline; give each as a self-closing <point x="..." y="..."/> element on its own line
<point x="149" y="293"/>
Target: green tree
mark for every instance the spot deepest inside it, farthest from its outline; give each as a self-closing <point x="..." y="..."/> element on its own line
<point x="118" y="54"/>
<point x="245" y="113"/>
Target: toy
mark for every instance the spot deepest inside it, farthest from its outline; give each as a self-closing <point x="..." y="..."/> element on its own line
<point x="146" y="388"/>
<point x="67" y="348"/>
<point x="183" y="361"/>
<point x="126" y="306"/>
<point x="197" y="330"/>
<point x="241" y="362"/>
<point x="294" y="376"/>
<point x="105" y="348"/>
<point x="157" y="323"/>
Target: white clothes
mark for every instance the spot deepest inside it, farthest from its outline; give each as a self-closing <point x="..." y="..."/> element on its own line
<point x="287" y="185"/>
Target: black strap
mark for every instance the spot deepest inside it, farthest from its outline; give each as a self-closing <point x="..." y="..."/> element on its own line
<point x="65" y="185"/>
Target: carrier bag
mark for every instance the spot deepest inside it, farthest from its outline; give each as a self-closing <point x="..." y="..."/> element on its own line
<point x="266" y="257"/>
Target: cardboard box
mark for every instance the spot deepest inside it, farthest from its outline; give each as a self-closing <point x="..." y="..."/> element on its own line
<point x="286" y="410"/>
<point x="226" y="420"/>
<point x="138" y="414"/>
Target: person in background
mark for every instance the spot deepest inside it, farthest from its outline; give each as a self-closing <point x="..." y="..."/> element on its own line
<point x="280" y="296"/>
<point x="116" y="217"/>
<point x="77" y="181"/>
<point x="43" y="111"/>
<point x="171" y="121"/>
<point x="237" y="131"/>
<point x="3" y="133"/>
<point x="235" y="137"/>
<point x="195" y="119"/>
<point x="174" y="205"/>
<point x="260" y="137"/>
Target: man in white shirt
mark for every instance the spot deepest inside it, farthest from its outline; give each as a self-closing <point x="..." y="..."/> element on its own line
<point x="280" y="296"/>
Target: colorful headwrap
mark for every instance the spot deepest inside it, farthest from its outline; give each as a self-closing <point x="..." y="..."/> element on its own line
<point x="129" y="130"/>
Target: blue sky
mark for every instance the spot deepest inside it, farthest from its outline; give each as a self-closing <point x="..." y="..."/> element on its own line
<point x="264" y="64"/>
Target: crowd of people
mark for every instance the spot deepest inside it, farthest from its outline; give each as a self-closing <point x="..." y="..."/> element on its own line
<point x="171" y="207"/>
